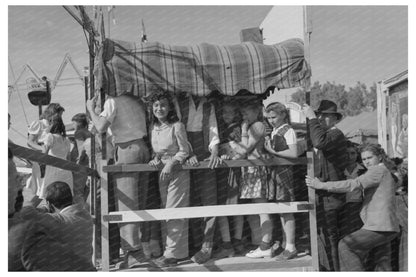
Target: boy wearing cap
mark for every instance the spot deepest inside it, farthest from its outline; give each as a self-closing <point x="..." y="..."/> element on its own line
<point x="330" y="146"/>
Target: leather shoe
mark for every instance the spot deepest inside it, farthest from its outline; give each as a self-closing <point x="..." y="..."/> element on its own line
<point x="132" y="258"/>
<point x="201" y="257"/>
<point x="287" y="255"/>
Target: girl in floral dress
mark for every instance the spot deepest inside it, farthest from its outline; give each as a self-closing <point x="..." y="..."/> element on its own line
<point x="254" y="179"/>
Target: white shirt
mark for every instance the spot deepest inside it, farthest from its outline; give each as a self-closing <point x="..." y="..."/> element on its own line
<point x="127" y="117"/>
<point x="194" y="123"/>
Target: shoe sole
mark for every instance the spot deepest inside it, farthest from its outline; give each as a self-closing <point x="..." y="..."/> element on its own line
<point x="286" y="259"/>
<point x="258" y="257"/>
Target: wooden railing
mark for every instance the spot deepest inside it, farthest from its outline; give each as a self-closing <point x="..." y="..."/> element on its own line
<point x="36" y="156"/>
<point x="205" y="211"/>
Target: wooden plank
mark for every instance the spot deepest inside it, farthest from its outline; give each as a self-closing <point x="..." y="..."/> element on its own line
<point x="204" y="165"/>
<point x="105" y="231"/>
<point x="36" y="156"/>
<point x="239" y="263"/>
<point x="207" y="211"/>
<point x="312" y="214"/>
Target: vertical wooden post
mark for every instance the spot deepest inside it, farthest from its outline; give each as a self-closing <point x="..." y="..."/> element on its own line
<point x="312" y="213"/>
<point x="105" y="228"/>
<point x="310" y="154"/>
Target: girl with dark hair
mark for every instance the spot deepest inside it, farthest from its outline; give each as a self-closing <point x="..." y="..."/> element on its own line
<point x="378" y="211"/>
<point x="283" y="143"/>
<point x="166" y="99"/>
<point x="170" y="149"/>
<point x="36" y="136"/>
<point x="51" y="110"/>
<point x="58" y="145"/>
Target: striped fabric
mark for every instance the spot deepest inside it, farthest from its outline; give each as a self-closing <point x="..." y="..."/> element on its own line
<point x="143" y="68"/>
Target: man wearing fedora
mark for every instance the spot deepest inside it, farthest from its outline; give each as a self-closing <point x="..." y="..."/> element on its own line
<point x="330" y="146"/>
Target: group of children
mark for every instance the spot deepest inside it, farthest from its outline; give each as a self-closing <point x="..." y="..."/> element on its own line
<point x="188" y="130"/>
<point x="49" y="136"/>
<point x="237" y="133"/>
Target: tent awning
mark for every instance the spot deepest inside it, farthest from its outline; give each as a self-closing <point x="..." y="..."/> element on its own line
<point x="142" y="68"/>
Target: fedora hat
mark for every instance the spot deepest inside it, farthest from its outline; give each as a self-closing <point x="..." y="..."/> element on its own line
<point x="328" y="107"/>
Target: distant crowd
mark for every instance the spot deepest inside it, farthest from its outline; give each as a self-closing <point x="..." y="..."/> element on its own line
<point x="361" y="205"/>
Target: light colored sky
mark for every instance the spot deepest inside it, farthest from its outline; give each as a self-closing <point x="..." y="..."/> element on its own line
<point x="348" y="44"/>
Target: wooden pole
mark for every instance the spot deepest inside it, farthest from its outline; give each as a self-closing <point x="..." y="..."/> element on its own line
<point x="310" y="154"/>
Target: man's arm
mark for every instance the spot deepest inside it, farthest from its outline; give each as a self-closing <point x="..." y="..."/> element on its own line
<point x="320" y="137"/>
<point x="100" y="123"/>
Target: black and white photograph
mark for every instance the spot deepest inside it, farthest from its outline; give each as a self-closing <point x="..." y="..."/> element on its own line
<point x="212" y="137"/>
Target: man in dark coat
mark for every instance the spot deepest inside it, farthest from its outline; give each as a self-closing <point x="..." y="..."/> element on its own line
<point x="330" y="146"/>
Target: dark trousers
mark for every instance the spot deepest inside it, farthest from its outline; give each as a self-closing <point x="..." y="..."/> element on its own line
<point x="354" y="248"/>
<point x="349" y="218"/>
<point x="328" y="209"/>
<point x="203" y="193"/>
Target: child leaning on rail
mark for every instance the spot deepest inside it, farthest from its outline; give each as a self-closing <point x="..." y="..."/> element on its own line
<point x="170" y="147"/>
<point x="283" y="143"/>
<point x="254" y="179"/>
<point x="228" y="179"/>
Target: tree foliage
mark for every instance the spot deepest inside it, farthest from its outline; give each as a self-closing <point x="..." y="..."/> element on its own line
<point x="352" y="102"/>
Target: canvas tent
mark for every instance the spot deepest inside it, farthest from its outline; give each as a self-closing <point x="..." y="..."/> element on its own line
<point x="143" y="68"/>
<point x="361" y="128"/>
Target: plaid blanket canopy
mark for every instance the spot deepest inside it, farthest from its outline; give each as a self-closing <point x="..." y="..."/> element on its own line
<point x="142" y="68"/>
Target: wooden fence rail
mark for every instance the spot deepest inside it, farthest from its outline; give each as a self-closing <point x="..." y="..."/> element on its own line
<point x="36" y="156"/>
<point x="205" y="211"/>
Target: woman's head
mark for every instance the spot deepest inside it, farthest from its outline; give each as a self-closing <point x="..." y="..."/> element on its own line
<point x="277" y="114"/>
<point x="352" y="153"/>
<point x="230" y="112"/>
<point x="373" y="154"/>
<point x="251" y="111"/>
<point x="163" y="108"/>
<point x="80" y="121"/>
<point x="56" y="125"/>
<point x="51" y="110"/>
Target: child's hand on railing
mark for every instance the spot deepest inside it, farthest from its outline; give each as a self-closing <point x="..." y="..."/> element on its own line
<point x="155" y="162"/>
<point x="193" y="161"/>
<point x="225" y="157"/>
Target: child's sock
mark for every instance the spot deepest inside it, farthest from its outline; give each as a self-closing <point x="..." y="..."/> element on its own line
<point x="264" y="245"/>
<point x="290" y="247"/>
